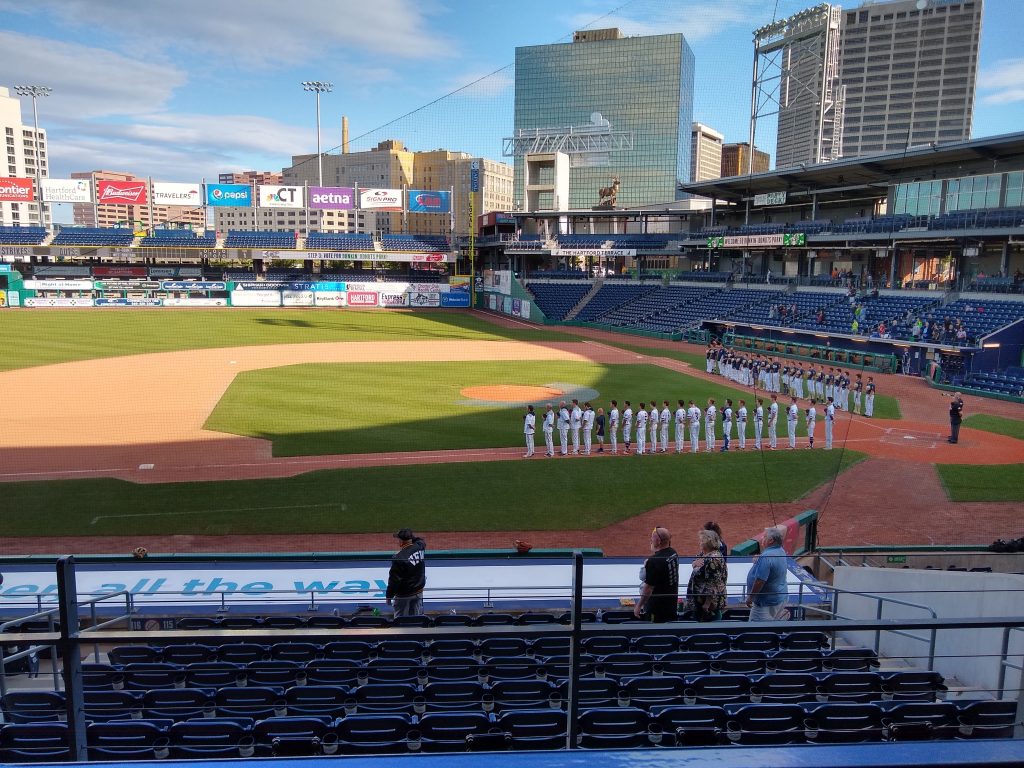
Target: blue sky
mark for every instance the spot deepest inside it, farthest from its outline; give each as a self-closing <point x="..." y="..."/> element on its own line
<point x="187" y="89"/>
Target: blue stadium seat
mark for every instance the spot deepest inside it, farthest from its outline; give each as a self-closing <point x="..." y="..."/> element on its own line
<point x="127" y="654"/>
<point x="104" y="706"/>
<point x="385" y="697"/>
<point x="317" y="700"/>
<point x="142" y="677"/>
<point x="283" y="674"/>
<point x="355" y="650"/>
<point x="785" y="688"/>
<point x="912" y="685"/>
<point x="250" y="701"/>
<point x="178" y="703"/>
<point x="766" y="724"/>
<point x="214" y="674"/>
<point x="298" y="652"/>
<point x="534" y="728"/>
<point x="242" y="653"/>
<point x="462" y="695"/>
<point x="648" y="691"/>
<point x="844" y="723"/>
<point x="853" y="687"/>
<point x="343" y="672"/>
<point x="718" y="689"/>
<point x="373" y="734"/>
<point x="33" y="706"/>
<point x="188" y="653"/>
<point x="613" y="728"/>
<point x="34" y="742"/>
<point x="449" y="731"/>
<point x="987" y="720"/>
<point x="521" y="694"/>
<point x="691" y="726"/>
<point x="127" y="740"/>
<point x="685" y="663"/>
<point x="920" y="721"/>
<point x="291" y="736"/>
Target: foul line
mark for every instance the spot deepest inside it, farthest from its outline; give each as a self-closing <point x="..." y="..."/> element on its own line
<point x="207" y="511"/>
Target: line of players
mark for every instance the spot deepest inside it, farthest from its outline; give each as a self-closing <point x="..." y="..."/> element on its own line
<point x="772" y="376"/>
<point x="651" y="426"/>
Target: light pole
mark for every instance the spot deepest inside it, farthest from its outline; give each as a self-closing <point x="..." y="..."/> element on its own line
<point x="35" y="91"/>
<point x="318" y="87"/>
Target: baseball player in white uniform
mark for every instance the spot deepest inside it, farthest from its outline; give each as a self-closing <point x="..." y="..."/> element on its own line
<point x="741" y="424"/>
<point x="869" y="397"/>
<point x="758" y="423"/>
<point x="830" y="417"/>
<point x="773" y="422"/>
<point x="798" y="381"/>
<point x="666" y="419"/>
<point x="575" y="423"/>
<point x="710" y="415"/>
<point x="627" y="425"/>
<point x="654" y="421"/>
<point x="563" y="428"/>
<point x="549" y="428"/>
<point x="791" y="416"/>
<point x="858" y="389"/>
<point x="641" y="429"/>
<point x="693" y="414"/>
<point x="680" y="427"/>
<point x="613" y="425"/>
<point x="588" y="428"/>
<point x="529" y="427"/>
<point x="812" y="420"/>
<point x="726" y="425"/>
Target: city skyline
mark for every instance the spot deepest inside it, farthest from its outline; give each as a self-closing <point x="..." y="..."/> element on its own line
<point x="202" y="98"/>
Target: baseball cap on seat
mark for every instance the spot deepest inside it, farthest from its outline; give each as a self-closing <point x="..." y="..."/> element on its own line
<point x="405" y="534"/>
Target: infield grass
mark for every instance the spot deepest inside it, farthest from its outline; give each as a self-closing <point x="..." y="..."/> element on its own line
<point x="43" y="337"/>
<point x="321" y="409"/>
<point x="997" y="424"/>
<point x="539" y="494"/>
<point x="990" y="482"/>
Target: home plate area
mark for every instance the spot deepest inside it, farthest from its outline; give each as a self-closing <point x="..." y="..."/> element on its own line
<point x="911" y="439"/>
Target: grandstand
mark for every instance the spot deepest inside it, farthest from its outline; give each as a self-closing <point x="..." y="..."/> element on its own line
<point x="240" y="239"/>
<point x="177" y="238"/>
<point x="22" y="235"/>
<point x="340" y="241"/>
<point x="94" y="236"/>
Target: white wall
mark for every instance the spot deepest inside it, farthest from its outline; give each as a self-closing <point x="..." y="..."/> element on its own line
<point x="972" y="656"/>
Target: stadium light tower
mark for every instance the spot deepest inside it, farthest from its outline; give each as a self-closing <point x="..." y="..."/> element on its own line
<point x="35" y="91"/>
<point x="318" y="87"/>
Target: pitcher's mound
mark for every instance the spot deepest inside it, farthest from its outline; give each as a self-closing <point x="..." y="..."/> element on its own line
<point x="510" y="393"/>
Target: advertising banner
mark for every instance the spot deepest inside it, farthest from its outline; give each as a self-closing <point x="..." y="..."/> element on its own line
<point x="330" y="286"/>
<point x="362" y="298"/>
<point x="293" y="255"/>
<point x="595" y="253"/>
<point x="459" y="299"/>
<point x="381" y="199"/>
<point x="15" y="251"/>
<point x="127" y="285"/>
<point x="58" y="302"/>
<point x="429" y="201"/>
<point x="58" y="285"/>
<point x="394" y="299"/>
<point x="195" y="302"/>
<point x="492" y="301"/>
<point x="16" y="190"/>
<point x="428" y="287"/>
<point x="524" y="309"/>
<point x="166" y="193"/>
<point x="332" y="198"/>
<point x="119" y="272"/>
<point x="329" y="298"/>
<point x="121" y="193"/>
<point x="55" y="270"/>
<point x="417" y="299"/>
<point x="297" y="298"/>
<point x="193" y="285"/>
<point x="128" y="302"/>
<point x="277" y="196"/>
<point x="67" y="191"/>
<point x="256" y="298"/>
<point x="229" y="195"/>
<point x="460" y="283"/>
<point x="175" y="272"/>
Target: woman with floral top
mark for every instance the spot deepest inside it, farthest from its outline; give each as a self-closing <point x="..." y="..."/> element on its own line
<point x="706" y="592"/>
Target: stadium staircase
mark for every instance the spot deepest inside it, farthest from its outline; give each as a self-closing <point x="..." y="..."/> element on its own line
<point x="598" y="283"/>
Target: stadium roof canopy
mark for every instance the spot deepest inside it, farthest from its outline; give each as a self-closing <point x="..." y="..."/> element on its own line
<point x="833" y="180"/>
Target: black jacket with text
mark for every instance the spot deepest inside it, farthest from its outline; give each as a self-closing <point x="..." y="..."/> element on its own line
<point x="408" y="574"/>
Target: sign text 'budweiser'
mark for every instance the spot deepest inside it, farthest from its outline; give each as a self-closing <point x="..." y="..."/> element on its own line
<point x="121" y="193"/>
<point x="16" y="190"/>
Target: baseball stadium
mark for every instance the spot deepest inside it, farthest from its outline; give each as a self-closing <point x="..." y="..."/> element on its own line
<point x="228" y="448"/>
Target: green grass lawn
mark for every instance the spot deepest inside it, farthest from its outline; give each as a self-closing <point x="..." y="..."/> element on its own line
<point x="381" y="407"/>
<point x="539" y="494"/>
<point x="56" y="336"/>
<point x="995" y="482"/>
<point x="997" y="424"/>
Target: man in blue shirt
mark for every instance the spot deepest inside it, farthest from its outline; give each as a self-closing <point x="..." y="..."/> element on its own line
<point x="768" y="591"/>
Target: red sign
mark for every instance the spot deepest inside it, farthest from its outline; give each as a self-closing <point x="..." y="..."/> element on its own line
<point x="119" y="272"/>
<point x="121" y="193"/>
<point x="362" y="299"/>
<point x="426" y="258"/>
<point x="16" y="190"/>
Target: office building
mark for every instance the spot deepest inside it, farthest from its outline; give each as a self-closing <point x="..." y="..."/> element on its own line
<point x="298" y="220"/>
<point x="619" y="107"/>
<point x="20" y="149"/>
<point x="390" y="165"/>
<point x="144" y="216"/>
<point x="736" y="160"/>
<point x="909" y="69"/>
<point x="705" y="153"/>
<point x="250" y="177"/>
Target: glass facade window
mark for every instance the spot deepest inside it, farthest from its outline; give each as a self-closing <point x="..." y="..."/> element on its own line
<point x="920" y="198"/>
<point x="1015" y="189"/>
<point x="640" y="85"/>
<point x="973" y="192"/>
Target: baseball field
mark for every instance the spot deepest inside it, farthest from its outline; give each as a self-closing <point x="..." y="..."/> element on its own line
<point x="315" y="430"/>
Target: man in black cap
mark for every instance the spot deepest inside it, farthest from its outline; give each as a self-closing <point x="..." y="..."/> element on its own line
<point x="408" y="575"/>
<point x="659" y="590"/>
<point x="956" y="415"/>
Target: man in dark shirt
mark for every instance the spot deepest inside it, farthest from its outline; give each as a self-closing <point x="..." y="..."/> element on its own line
<point x="659" y="593"/>
<point x="408" y="575"/>
<point x="956" y="415"/>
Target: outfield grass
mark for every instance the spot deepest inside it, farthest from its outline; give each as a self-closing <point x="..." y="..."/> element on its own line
<point x="994" y="482"/>
<point x="997" y="424"/>
<point x="42" y="337"/>
<point x="539" y="494"/>
<point x="320" y="409"/>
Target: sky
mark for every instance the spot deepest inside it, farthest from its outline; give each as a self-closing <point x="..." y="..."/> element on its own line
<point x="187" y="89"/>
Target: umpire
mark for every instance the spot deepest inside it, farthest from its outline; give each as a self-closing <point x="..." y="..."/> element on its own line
<point x="408" y="575"/>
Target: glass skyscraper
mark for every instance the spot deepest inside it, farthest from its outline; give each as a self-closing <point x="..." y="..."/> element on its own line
<point x="642" y="86"/>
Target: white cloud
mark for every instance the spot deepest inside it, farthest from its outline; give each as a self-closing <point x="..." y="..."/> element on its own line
<point x="86" y="81"/>
<point x="1004" y="82"/>
<point x="697" y="20"/>
<point x="262" y="33"/>
<point x="482" y="85"/>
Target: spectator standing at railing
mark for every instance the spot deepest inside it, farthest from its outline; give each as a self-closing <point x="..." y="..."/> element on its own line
<point x="706" y="590"/>
<point x="766" y="596"/>
<point x="659" y="577"/>
<point x="408" y="576"/>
